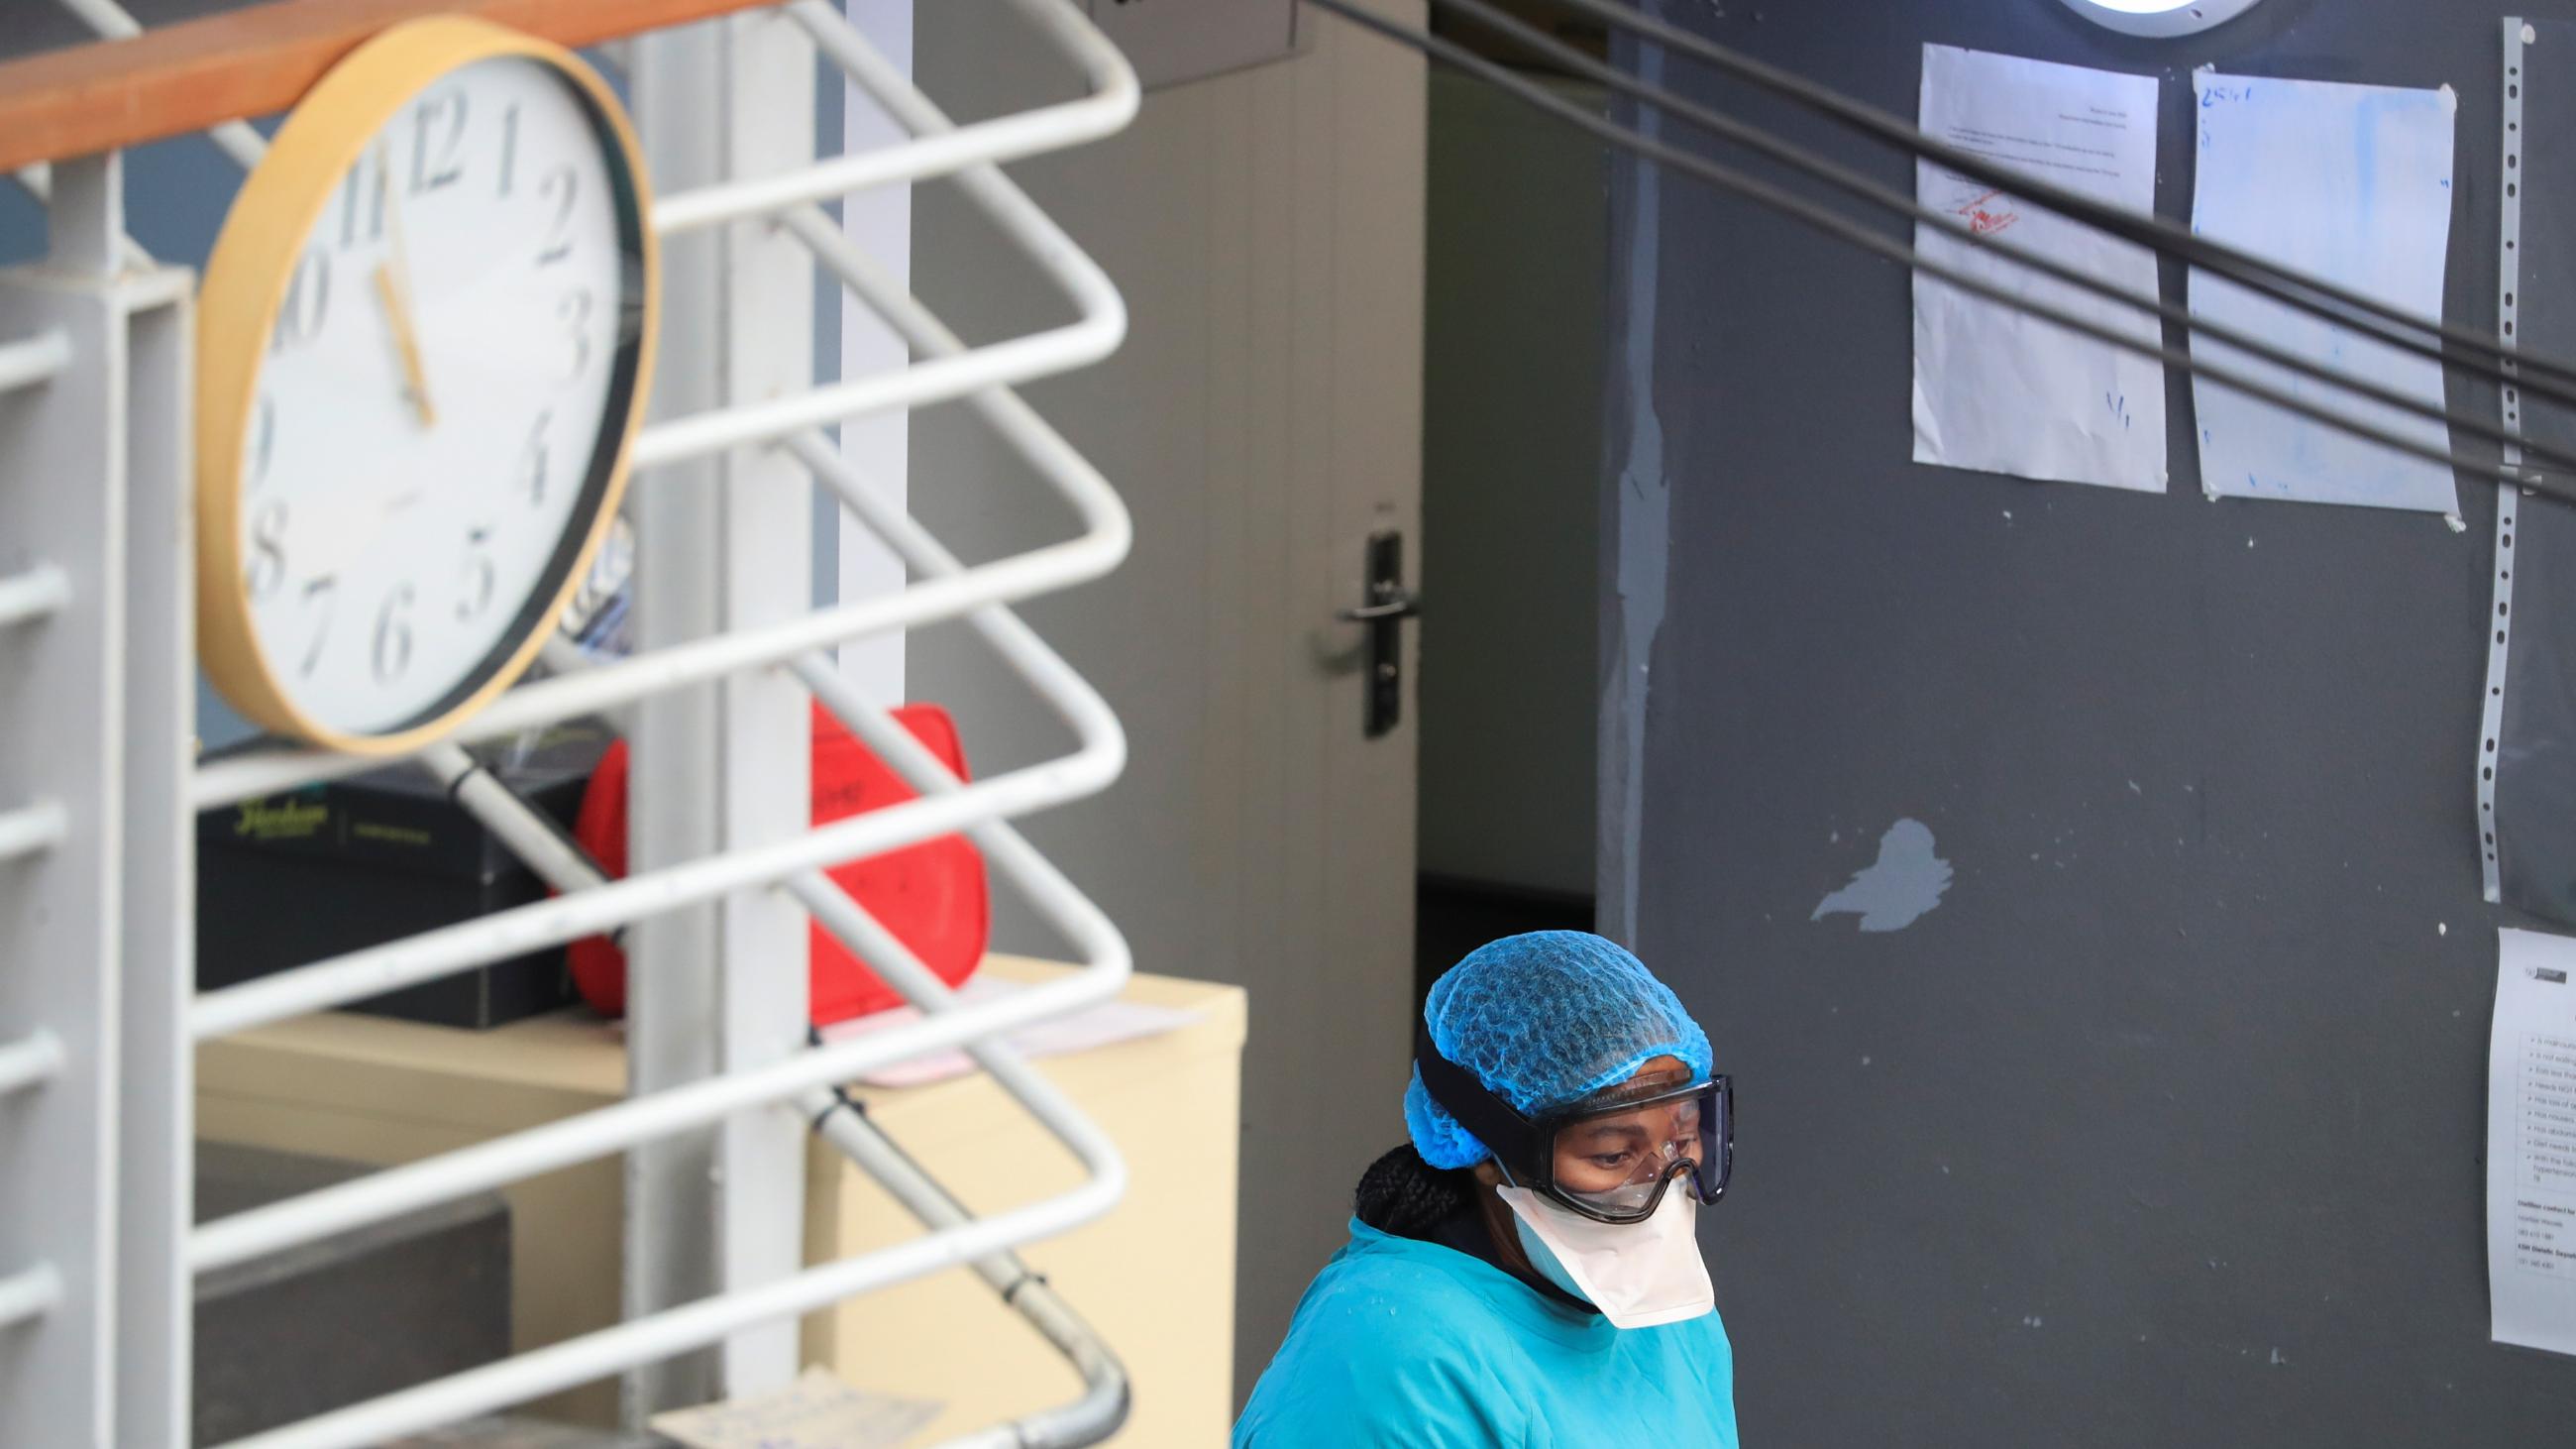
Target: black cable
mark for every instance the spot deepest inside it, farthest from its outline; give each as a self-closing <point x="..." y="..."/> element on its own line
<point x="1818" y="217"/>
<point x="2508" y="365"/>
<point x="1848" y="180"/>
<point x="840" y="1092"/>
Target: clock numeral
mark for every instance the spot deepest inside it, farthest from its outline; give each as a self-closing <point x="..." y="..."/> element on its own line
<point x="509" y="146"/>
<point x="263" y="440"/>
<point x="439" y="123"/>
<point x="267" y="550"/>
<point x="362" y="200"/>
<point x="307" y="304"/>
<point x="560" y="185"/>
<point x="481" y="574"/>
<point x="574" y="312"/>
<point x="533" y="458"/>
<point x="393" y="635"/>
<point x="322" y="593"/>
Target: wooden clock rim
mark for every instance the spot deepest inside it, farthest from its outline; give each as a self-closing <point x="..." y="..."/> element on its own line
<point x="245" y="284"/>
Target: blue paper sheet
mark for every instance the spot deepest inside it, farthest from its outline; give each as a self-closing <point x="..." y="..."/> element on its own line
<point x="2351" y="183"/>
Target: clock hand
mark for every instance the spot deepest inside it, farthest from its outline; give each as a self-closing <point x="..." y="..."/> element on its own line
<point x="406" y="346"/>
<point x="393" y="289"/>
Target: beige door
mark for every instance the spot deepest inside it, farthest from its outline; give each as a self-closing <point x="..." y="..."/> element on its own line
<point x="1263" y="422"/>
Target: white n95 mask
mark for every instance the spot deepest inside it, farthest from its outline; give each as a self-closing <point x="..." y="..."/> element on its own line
<point x="1640" y="1275"/>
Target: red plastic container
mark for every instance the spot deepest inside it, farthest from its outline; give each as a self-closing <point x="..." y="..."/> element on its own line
<point x="932" y="896"/>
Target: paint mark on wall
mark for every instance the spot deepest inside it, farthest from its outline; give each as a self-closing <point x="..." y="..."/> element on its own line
<point x="1644" y="507"/>
<point x="1896" y="890"/>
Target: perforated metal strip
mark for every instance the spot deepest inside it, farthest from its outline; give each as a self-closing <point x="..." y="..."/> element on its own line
<point x="2508" y="498"/>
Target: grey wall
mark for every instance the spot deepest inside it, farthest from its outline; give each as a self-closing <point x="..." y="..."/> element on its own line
<point x="1511" y="368"/>
<point x="2165" y="1126"/>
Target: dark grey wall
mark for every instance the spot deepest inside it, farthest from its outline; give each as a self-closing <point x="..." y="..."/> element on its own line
<point x="2165" y="1127"/>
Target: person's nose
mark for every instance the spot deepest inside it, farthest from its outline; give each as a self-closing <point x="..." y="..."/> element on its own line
<point x="1657" y="1163"/>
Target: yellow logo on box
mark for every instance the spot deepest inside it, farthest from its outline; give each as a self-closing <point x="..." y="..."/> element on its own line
<point x="281" y="819"/>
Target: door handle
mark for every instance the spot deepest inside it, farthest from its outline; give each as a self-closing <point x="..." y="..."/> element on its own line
<point x="1389" y="605"/>
<point x="1405" y="606"/>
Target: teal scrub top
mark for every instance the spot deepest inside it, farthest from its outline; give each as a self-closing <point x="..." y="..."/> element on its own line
<point x="1402" y="1344"/>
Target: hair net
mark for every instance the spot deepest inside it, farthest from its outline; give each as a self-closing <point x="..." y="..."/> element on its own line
<point x="1542" y="1020"/>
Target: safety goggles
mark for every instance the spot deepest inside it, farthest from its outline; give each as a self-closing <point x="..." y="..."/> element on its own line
<point x="1610" y="1156"/>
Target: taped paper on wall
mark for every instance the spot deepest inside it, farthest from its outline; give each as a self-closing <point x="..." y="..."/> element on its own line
<point x="2350" y="183"/>
<point x="2531" y="1143"/>
<point x="1998" y="391"/>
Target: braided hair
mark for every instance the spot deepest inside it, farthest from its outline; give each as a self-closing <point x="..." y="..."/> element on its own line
<point x="1403" y="1195"/>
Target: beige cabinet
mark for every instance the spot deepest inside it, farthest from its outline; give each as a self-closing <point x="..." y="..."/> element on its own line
<point x="1156" y="1276"/>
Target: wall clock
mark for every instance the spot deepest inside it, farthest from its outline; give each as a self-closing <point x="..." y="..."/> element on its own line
<point x="2159" y="18"/>
<point x="425" y="341"/>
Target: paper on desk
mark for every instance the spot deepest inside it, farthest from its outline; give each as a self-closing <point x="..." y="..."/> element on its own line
<point x="818" y="1411"/>
<point x="1111" y="1021"/>
<point x="2353" y="184"/>
<point x="1999" y="391"/>
<point x="2531" y="1143"/>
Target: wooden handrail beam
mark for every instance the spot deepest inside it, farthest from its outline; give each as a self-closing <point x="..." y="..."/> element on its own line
<point x="254" y="61"/>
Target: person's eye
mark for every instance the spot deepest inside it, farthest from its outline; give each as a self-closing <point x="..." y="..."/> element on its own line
<point x="1612" y="1160"/>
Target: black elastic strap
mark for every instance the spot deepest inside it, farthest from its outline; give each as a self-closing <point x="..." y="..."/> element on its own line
<point x="1506" y="1133"/>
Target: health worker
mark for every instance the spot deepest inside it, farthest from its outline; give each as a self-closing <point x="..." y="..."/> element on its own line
<point x="1525" y="1270"/>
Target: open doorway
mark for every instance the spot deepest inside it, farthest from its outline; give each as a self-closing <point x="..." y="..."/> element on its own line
<point x="1512" y="452"/>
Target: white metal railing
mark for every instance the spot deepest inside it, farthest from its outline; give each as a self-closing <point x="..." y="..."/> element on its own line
<point x="31" y="1293"/>
<point x="959" y="1239"/>
<point x="31" y="828"/>
<point x="833" y="1115"/>
<point x="945" y="369"/>
<point x="1104" y="1400"/>
<point x="400" y="1190"/>
<point x="33" y="595"/>
<point x="31" y="360"/>
<point x="939" y="149"/>
<point x="30" y="1061"/>
<point x="38" y="182"/>
<point x="1105" y="1395"/>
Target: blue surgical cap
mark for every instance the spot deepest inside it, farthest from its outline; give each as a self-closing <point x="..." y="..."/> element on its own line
<point x="1542" y="1020"/>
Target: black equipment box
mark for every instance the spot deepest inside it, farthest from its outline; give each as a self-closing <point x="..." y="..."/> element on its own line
<point x="351" y="863"/>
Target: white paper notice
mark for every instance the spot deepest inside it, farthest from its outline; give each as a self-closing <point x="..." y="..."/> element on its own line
<point x="2531" y="1143"/>
<point x="1999" y="391"/>
<point x="2352" y="184"/>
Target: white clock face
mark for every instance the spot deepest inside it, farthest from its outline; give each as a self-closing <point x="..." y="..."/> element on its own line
<point x="434" y="421"/>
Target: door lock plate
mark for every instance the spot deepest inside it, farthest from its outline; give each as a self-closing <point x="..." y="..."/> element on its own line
<point x="1386" y="605"/>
